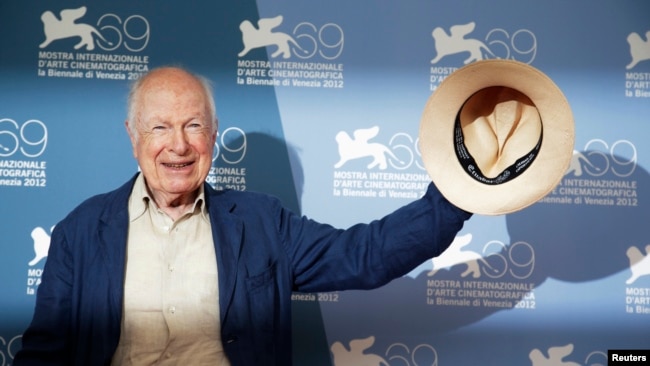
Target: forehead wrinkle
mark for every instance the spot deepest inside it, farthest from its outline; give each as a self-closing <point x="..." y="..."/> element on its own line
<point x="152" y="112"/>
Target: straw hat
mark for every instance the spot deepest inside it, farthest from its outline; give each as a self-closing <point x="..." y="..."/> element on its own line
<point x="496" y="136"/>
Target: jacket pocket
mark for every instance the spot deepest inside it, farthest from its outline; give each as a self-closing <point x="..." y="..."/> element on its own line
<point x="263" y="305"/>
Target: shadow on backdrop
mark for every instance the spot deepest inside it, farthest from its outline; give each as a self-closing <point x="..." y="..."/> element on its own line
<point x="581" y="241"/>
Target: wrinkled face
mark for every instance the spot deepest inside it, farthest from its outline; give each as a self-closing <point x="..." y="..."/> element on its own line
<point x="174" y="135"/>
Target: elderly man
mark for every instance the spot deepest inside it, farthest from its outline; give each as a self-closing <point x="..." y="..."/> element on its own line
<point x="166" y="270"/>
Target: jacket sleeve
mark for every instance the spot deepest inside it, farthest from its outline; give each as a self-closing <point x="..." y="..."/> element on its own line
<point x="78" y="310"/>
<point x="370" y="255"/>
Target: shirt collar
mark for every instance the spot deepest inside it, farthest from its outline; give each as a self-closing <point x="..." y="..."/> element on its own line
<point x="141" y="199"/>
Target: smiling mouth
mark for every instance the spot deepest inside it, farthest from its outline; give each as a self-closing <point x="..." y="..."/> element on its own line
<point x="177" y="166"/>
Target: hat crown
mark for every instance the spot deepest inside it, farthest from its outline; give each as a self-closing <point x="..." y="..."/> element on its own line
<point x="500" y="125"/>
<point x="521" y="134"/>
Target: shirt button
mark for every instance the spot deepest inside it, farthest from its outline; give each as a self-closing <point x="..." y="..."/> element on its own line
<point x="172" y="309"/>
<point x="171" y="268"/>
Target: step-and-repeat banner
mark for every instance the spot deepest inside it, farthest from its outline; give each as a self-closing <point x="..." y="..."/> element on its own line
<point x="320" y="103"/>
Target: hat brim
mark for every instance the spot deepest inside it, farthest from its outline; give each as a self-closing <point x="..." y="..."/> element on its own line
<point x="437" y="137"/>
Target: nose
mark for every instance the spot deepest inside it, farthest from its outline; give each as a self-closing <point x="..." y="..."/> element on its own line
<point x="179" y="142"/>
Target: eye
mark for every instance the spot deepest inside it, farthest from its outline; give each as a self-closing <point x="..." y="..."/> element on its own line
<point x="195" y="126"/>
<point x="158" y="129"/>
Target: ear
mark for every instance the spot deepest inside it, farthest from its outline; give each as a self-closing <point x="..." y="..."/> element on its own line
<point x="132" y="137"/>
<point x="215" y="133"/>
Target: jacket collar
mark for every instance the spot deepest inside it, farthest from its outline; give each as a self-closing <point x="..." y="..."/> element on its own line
<point x="112" y="234"/>
<point x="227" y="234"/>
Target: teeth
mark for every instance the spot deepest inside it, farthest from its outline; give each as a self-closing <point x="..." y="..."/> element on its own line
<point x="177" y="165"/>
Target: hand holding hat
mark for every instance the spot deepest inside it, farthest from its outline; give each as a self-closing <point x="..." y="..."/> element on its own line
<point x="496" y="136"/>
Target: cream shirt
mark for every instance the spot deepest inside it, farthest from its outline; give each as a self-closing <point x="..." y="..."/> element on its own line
<point x="171" y="297"/>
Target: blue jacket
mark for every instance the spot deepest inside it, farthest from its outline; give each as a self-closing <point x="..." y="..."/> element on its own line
<point x="264" y="253"/>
